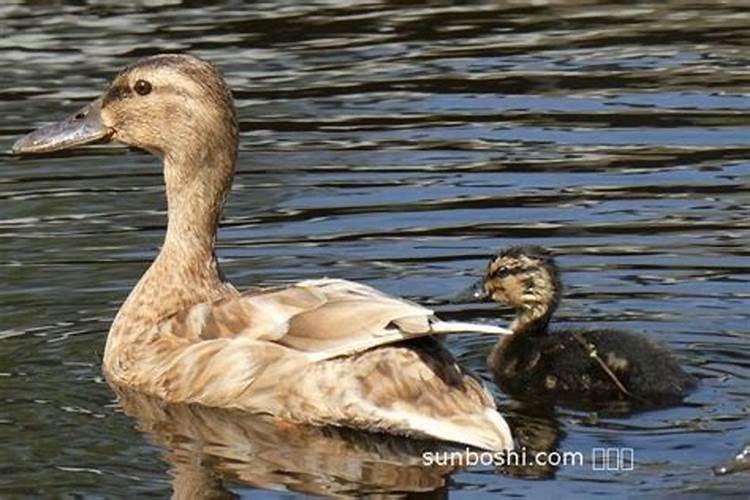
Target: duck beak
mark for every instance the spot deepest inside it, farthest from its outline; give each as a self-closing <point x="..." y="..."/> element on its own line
<point x="83" y="127"/>
<point x="475" y="293"/>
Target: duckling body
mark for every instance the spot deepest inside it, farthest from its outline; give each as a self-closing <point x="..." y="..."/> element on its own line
<point x="321" y="352"/>
<point x="560" y="364"/>
<point x="570" y="364"/>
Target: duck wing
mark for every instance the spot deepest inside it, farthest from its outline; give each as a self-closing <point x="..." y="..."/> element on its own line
<point x="306" y="353"/>
<point x="324" y="319"/>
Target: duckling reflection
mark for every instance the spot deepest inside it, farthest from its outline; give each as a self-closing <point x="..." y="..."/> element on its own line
<point x="572" y="364"/>
<point x="538" y="434"/>
<point x="208" y="446"/>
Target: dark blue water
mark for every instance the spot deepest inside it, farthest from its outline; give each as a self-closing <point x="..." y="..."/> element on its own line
<point x="400" y="145"/>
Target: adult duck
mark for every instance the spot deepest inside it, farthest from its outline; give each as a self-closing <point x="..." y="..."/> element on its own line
<point x="323" y="352"/>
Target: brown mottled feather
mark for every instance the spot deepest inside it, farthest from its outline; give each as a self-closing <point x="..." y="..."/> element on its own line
<point x="326" y="318"/>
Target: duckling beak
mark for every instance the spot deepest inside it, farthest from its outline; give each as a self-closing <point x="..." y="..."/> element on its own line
<point x="83" y="127"/>
<point x="475" y="293"/>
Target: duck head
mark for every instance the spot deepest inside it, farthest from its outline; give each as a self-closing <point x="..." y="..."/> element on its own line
<point x="178" y="108"/>
<point x="174" y="106"/>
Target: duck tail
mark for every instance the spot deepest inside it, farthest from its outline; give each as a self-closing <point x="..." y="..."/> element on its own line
<point x="488" y="430"/>
<point x="440" y="327"/>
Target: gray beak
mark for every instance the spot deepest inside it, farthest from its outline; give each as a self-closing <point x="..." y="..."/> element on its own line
<point x="475" y="293"/>
<point x="83" y="127"/>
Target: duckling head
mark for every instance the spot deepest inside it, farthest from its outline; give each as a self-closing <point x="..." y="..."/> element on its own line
<point x="525" y="278"/>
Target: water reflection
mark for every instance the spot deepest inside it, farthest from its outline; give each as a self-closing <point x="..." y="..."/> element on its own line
<point x="207" y="447"/>
<point x="538" y="431"/>
<point x="209" y="450"/>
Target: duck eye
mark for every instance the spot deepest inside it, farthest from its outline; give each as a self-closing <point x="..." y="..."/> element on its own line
<point x="142" y="87"/>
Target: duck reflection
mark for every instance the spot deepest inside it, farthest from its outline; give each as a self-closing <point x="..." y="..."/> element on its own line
<point x="208" y="446"/>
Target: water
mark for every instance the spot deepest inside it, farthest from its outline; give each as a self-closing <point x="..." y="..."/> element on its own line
<point x="400" y="145"/>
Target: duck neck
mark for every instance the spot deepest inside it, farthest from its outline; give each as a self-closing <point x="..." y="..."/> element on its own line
<point x="195" y="200"/>
<point x="186" y="271"/>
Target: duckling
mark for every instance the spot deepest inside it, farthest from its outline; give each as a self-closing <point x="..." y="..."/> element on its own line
<point x="576" y="364"/>
<point x="324" y="352"/>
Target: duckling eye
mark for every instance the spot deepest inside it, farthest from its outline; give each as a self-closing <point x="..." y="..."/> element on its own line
<point x="502" y="272"/>
<point x="142" y="87"/>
